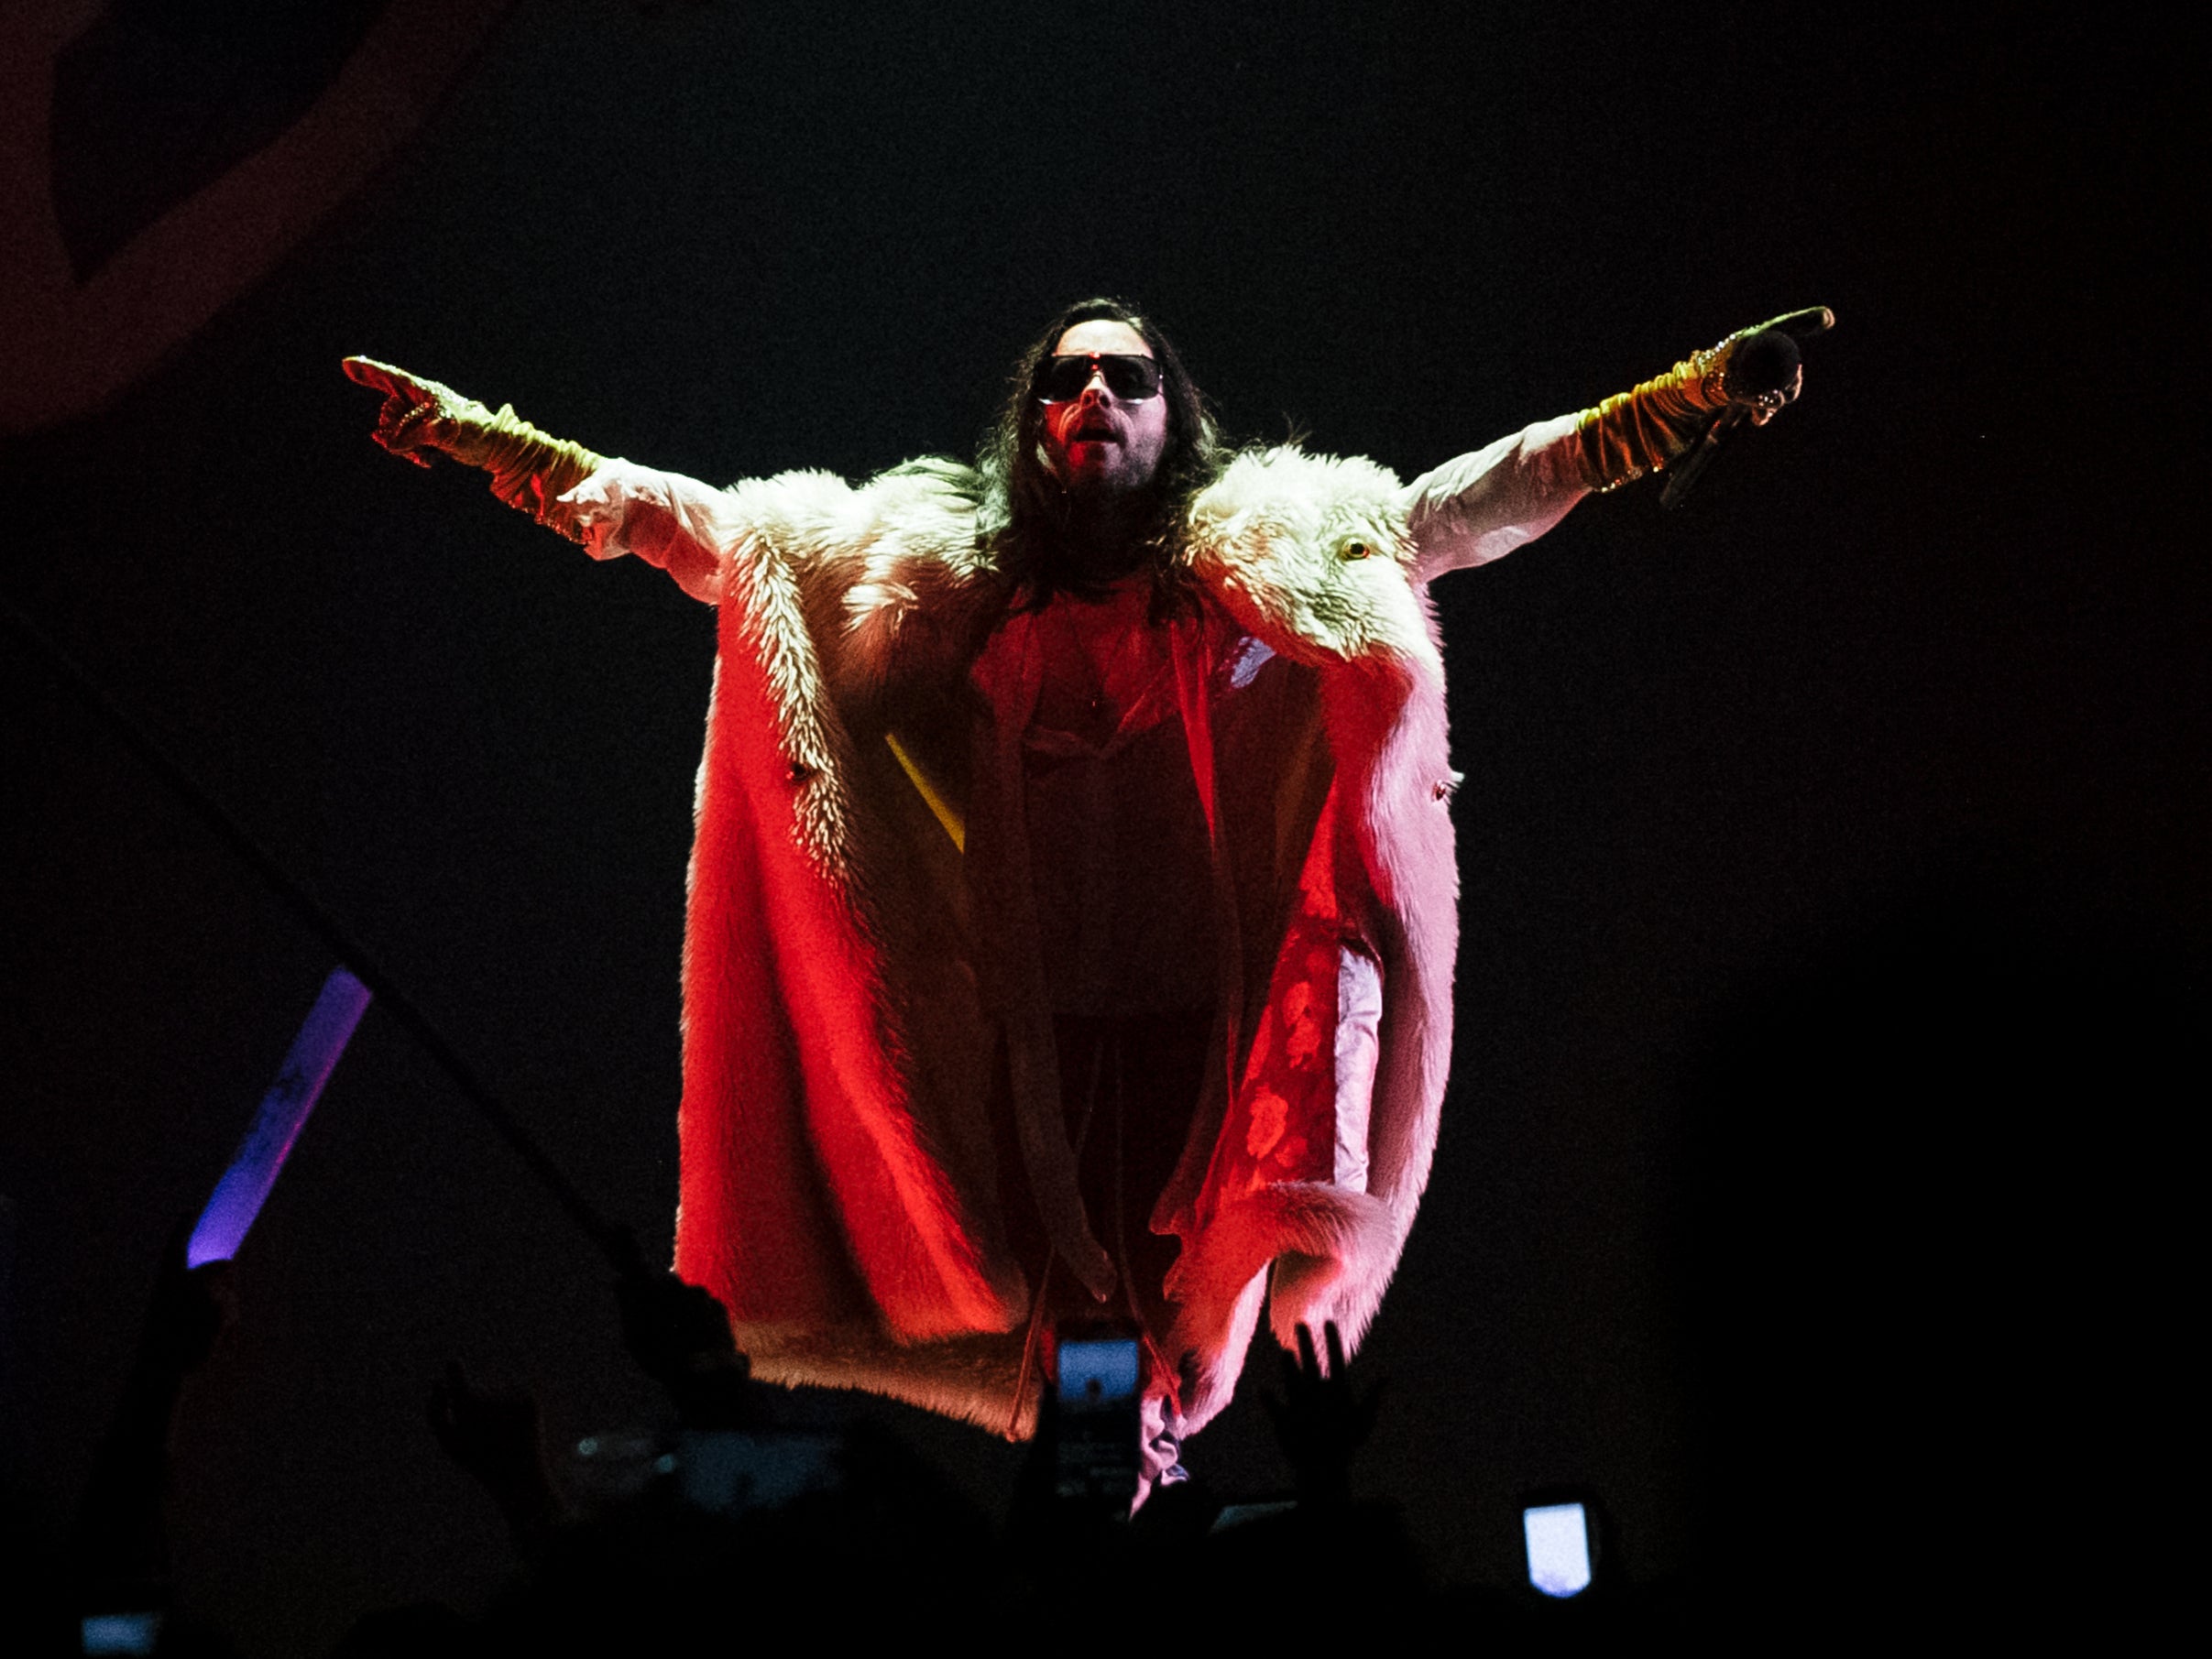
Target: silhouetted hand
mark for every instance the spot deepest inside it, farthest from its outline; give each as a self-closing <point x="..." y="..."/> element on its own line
<point x="1322" y="1423"/>
<point x="497" y="1437"/>
<point x="191" y="1309"/>
<point x="680" y="1337"/>
<point x="674" y="1330"/>
<point x="120" y="1537"/>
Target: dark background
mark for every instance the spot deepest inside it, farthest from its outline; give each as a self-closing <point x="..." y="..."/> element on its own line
<point x="1832" y="849"/>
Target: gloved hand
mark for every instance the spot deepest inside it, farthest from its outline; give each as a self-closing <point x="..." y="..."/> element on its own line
<point x="1639" y="431"/>
<point x="529" y="471"/>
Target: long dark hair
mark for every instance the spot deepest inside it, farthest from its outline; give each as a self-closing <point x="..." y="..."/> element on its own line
<point x="1024" y="516"/>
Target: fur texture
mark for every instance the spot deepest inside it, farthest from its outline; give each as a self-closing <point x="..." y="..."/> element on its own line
<point x="1311" y="555"/>
<point x="839" y="1192"/>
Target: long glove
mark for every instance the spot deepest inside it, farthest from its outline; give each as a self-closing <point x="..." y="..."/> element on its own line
<point x="1639" y="431"/>
<point x="529" y="471"/>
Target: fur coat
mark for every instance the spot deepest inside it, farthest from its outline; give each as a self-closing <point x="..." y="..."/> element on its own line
<point x="839" y="1185"/>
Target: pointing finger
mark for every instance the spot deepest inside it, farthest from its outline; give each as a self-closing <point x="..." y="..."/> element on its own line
<point x="1802" y="325"/>
<point x="368" y="371"/>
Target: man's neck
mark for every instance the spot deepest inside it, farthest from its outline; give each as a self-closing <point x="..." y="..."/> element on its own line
<point x="1104" y="541"/>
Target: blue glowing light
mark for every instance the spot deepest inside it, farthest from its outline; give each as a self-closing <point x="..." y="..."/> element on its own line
<point x="245" y="1187"/>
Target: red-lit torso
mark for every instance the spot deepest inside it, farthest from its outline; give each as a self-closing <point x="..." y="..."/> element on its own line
<point x="1117" y="837"/>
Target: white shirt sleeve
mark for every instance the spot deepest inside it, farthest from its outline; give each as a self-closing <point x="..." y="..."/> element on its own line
<point x="665" y="519"/>
<point x="1483" y="506"/>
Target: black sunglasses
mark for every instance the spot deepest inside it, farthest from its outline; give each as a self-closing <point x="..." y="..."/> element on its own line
<point x="1131" y="379"/>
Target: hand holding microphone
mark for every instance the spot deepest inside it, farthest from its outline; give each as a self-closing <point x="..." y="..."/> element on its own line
<point x="1761" y="372"/>
<point x="1674" y="422"/>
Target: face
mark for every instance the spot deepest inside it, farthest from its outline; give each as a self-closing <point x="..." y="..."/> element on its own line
<point x="1097" y="444"/>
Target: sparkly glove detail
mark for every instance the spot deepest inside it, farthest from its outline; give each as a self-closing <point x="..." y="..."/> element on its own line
<point x="1640" y="431"/>
<point x="529" y="471"/>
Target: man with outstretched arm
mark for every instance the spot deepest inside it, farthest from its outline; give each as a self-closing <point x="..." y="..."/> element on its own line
<point x="1073" y="903"/>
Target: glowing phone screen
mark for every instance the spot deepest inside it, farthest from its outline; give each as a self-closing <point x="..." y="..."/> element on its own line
<point x="1559" y="1548"/>
<point x="1097" y="1373"/>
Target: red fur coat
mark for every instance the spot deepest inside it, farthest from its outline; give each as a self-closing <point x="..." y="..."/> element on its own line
<point x="839" y="1192"/>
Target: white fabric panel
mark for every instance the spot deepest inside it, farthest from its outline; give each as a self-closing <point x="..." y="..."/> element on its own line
<point x="665" y="519"/>
<point x="1359" y="1047"/>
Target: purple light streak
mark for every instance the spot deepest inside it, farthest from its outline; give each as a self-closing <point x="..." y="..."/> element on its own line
<point x="245" y="1187"/>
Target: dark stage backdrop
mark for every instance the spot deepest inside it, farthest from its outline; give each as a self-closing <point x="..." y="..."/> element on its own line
<point x="1831" y="849"/>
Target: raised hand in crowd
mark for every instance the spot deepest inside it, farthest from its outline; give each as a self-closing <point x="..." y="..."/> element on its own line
<point x="496" y="1436"/>
<point x="120" y="1533"/>
<point x="680" y="1337"/>
<point x="1321" y="1422"/>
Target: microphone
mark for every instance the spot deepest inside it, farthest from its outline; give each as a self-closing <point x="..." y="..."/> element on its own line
<point x="1764" y="364"/>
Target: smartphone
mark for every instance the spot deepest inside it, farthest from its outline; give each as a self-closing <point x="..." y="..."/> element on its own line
<point x="736" y="1472"/>
<point x="1558" y="1540"/>
<point x="1097" y="1387"/>
<point x="119" y="1632"/>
